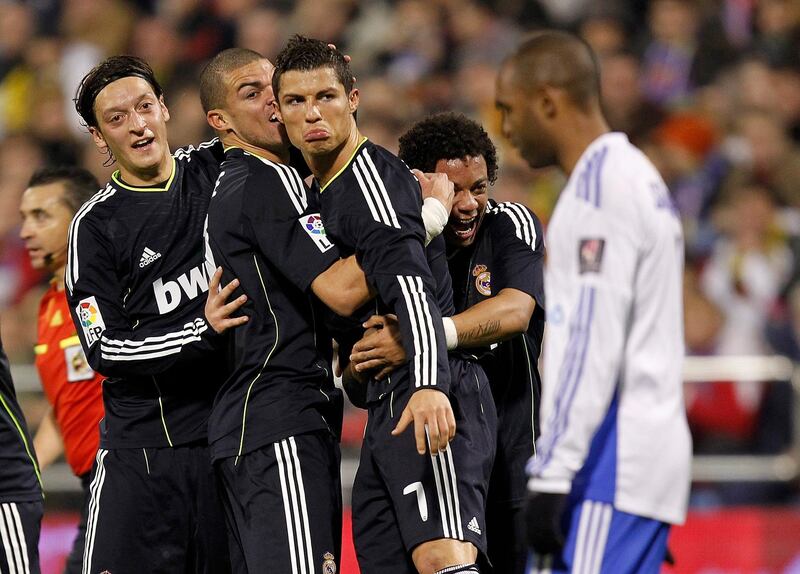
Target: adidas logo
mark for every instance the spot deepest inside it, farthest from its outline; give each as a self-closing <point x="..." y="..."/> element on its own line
<point x="148" y="256"/>
<point x="473" y="525"/>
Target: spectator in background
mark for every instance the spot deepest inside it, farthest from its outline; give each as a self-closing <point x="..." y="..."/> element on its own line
<point x="72" y="388"/>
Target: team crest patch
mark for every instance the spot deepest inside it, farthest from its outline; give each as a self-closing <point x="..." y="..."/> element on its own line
<point x="312" y="225"/>
<point x="328" y="564"/>
<point x="91" y="320"/>
<point x="590" y="255"/>
<point x="483" y="280"/>
<point x="78" y="368"/>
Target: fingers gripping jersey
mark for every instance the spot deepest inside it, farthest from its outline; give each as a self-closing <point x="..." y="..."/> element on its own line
<point x="614" y="425"/>
<point x="136" y="287"/>
<point x="261" y="231"/>
<point x="372" y="208"/>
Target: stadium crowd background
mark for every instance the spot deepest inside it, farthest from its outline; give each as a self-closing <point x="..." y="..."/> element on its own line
<point x="710" y="89"/>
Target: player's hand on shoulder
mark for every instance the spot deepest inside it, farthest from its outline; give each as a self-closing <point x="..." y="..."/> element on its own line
<point x="218" y="311"/>
<point x="380" y="350"/>
<point x="543" y="514"/>
<point x="432" y="415"/>
<point x="436" y="185"/>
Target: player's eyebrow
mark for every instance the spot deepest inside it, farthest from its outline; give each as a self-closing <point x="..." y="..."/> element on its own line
<point x="250" y="84"/>
<point x="123" y="107"/>
<point x="479" y="181"/>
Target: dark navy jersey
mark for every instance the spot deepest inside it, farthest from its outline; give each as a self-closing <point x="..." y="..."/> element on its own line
<point x="19" y="469"/>
<point x="508" y="252"/>
<point x="372" y="208"/>
<point x="261" y="231"/>
<point x="136" y="285"/>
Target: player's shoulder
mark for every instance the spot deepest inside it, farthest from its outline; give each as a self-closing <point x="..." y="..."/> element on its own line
<point x="100" y="207"/>
<point x="510" y="218"/>
<point x="612" y="174"/>
<point x="373" y="161"/>
<point x="208" y="152"/>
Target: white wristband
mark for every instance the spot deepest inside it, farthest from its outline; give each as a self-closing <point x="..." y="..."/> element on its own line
<point x="434" y="216"/>
<point x="450" y="333"/>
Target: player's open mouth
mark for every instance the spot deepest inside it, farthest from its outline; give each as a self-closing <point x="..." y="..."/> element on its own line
<point x="143" y="143"/>
<point x="464" y="228"/>
<point x="273" y="119"/>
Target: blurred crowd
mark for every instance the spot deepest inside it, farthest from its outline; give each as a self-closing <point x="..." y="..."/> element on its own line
<point x="710" y="89"/>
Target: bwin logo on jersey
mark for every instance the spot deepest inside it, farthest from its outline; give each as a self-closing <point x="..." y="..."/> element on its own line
<point x="170" y="293"/>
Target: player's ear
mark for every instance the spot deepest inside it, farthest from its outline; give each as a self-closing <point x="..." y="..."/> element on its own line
<point x="216" y="119"/>
<point x="545" y="103"/>
<point x="353" y="100"/>
<point x="164" y="110"/>
<point x="98" y="139"/>
<point x="277" y="110"/>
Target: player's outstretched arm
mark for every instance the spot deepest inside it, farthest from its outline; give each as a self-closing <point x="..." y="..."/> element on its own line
<point x="494" y="320"/>
<point x="218" y="310"/>
<point x="47" y="441"/>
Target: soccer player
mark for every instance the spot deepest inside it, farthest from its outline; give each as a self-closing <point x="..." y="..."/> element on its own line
<point x="135" y="279"/>
<point x="410" y="512"/>
<point x="496" y="255"/>
<point x="72" y="388"/>
<point x="612" y="468"/>
<point x="275" y="423"/>
<point x="21" y="498"/>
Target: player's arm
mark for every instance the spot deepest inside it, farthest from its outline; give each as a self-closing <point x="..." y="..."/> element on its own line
<point x="586" y="371"/>
<point x="47" y="442"/>
<point x="343" y="287"/>
<point x="114" y="345"/>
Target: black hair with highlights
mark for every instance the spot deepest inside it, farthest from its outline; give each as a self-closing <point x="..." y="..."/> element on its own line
<point x="447" y="136"/>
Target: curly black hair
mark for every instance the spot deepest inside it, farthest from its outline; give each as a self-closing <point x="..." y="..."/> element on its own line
<point x="110" y="70"/>
<point x="447" y="136"/>
<point x="306" y="54"/>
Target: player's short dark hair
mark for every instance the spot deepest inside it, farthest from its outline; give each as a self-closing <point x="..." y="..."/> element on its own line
<point x="110" y="70"/>
<point x="307" y="54"/>
<point x="559" y="59"/>
<point x="79" y="184"/>
<point x="447" y="136"/>
<point x="212" y="88"/>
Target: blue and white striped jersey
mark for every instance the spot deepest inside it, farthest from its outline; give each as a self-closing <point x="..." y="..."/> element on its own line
<point x="136" y="284"/>
<point x="613" y="419"/>
<point x="372" y="208"/>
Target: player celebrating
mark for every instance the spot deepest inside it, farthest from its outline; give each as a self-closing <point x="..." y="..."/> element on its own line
<point x="275" y="423"/>
<point x="72" y="388"/>
<point x="613" y="460"/>
<point x="371" y="207"/>
<point x="495" y="254"/>
<point x="135" y="278"/>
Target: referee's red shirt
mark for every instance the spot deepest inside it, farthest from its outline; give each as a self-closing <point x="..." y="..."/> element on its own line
<point x="71" y="386"/>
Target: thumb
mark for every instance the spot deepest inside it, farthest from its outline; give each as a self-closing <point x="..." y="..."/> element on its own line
<point x="405" y="419"/>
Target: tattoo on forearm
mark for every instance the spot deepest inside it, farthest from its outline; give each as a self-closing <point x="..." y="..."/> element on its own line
<point x="479" y="333"/>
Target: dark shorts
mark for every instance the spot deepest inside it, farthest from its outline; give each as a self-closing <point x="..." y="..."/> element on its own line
<point x="402" y="499"/>
<point x="74" y="564"/>
<point x="283" y="505"/>
<point x="20" y="523"/>
<point x="155" y="510"/>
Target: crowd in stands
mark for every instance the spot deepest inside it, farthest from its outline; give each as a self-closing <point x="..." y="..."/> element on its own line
<point x="710" y="89"/>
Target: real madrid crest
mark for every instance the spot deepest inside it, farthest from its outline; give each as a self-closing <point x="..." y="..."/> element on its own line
<point x="328" y="564"/>
<point x="483" y="280"/>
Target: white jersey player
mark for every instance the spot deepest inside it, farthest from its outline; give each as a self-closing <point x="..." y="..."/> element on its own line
<point x="612" y="470"/>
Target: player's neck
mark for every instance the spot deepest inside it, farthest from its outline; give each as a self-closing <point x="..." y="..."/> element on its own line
<point x="58" y="278"/>
<point x="584" y="130"/>
<point x="233" y="140"/>
<point x="153" y="176"/>
<point x="325" y="167"/>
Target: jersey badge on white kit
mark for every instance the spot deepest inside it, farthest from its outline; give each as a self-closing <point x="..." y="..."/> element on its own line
<point x="590" y="255"/>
